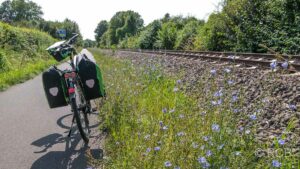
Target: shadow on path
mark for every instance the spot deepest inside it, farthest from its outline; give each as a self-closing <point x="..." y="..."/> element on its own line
<point x="73" y="157"/>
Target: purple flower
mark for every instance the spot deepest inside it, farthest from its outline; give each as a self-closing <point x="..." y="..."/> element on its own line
<point x="213" y="72"/>
<point x="273" y="64"/>
<point x="208" y="153"/>
<point x="220" y="101"/>
<point x="168" y="164"/>
<point x="202" y="160"/>
<point x="148" y="150"/>
<point x="276" y="164"/>
<point x="281" y="141"/>
<point x="205" y="138"/>
<point x="179" y="81"/>
<point x="161" y="123"/>
<point x="285" y="65"/>
<point x="218" y="93"/>
<point x="293" y="107"/>
<point x="164" y="110"/>
<point x="180" y="134"/>
<point x="215" y="127"/>
<point x="156" y="148"/>
<point x="230" y="82"/>
<point x="253" y="117"/>
<point x="227" y="70"/>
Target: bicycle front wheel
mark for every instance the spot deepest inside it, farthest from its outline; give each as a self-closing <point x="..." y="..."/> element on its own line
<point x="81" y="121"/>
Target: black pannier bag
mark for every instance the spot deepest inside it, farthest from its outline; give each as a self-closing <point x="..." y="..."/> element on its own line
<point x="55" y="88"/>
<point x="91" y="78"/>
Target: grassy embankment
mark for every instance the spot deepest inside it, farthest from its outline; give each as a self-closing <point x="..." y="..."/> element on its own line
<point x="152" y="124"/>
<point x="22" y="54"/>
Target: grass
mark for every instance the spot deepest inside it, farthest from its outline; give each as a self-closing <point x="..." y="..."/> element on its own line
<point x="152" y="123"/>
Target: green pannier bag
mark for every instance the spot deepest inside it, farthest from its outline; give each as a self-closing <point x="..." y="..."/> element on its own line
<point x="91" y="78"/>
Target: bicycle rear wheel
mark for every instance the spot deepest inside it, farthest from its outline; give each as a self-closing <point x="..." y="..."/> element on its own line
<point x="81" y="120"/>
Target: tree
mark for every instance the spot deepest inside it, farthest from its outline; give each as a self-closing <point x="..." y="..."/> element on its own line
<point x="167" y="36"/>
<point x="148" y="36"/>
<point x="100" y="30"/>
<point x="124" y="24"/>
<point x="20" y="10"/>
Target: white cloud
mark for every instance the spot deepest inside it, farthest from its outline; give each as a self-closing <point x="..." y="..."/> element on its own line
<point x="88" y="13"/>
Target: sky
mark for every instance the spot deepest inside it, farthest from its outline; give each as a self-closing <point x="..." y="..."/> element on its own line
<point x="88" y="13"/>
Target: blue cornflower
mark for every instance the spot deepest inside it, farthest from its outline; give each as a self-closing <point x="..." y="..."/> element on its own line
<point x="178" y="81"/>
<point x="220" y="147"/>
<point x="285" y="65"/>
<point x="227" y="70"/>
<point x="230" y="82"/>
<point x="205" y="138"/>
<point x="213" y="71"/>
<point x="281" y="141"/>
<point x="205" y="165"/>
<point x="215" y="127"/>
<point x="161" y="123"/>
<point x="168" y="164"/>
<point x="218" y="93"/>
<point x="220" y="101"/>
<point x="241" y="128"/>
<point x="253" y="117"/>
<point x="165" y="128"/>
<point x="208" y="153"/>
<point x="180" y="134"/>
<point x="273" y="64"/>
<point x="235" y="98"/>
<point x="276" y="164"/>
<point x="293" y="107"/>
<point x="202" y="160"/>
<point x="164" y="110"/>
<point x="148" y="150"/>
<point x="156" y="148"/>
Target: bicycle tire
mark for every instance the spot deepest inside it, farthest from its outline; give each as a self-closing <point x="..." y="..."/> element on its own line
<point x="83" y="134"/>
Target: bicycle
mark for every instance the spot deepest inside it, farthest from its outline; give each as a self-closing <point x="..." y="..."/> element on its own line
<point x="74" y="88"/>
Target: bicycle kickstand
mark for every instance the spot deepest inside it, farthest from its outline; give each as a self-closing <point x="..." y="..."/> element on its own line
<point x="71" y="126"/>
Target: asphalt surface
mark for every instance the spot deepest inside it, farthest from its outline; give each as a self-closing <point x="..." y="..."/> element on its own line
<point x="33" y="136"/>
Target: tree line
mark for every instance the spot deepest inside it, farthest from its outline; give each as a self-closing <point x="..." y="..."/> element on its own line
<point x="240" y="26"/>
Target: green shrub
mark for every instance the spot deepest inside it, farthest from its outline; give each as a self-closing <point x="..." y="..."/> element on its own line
<point x="4" y="64"/>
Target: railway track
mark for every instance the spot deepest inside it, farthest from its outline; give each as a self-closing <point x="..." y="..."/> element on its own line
<point x="247" y="59"/>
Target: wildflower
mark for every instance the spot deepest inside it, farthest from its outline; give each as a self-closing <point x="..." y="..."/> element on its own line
<point x="161" y="123"/>
<point x="215" y="127"/>
<point x="220" y="101"/>
<point x="168" y="164"/>
<point x="293" y="107"/>
<point x="180" y="134"/>
<point x="176" y="167"/>
<point x="156" y="148"/>
<point x="195" y="145"/>
<point x="148" y="150"/>
<point x="213" y="72"/>
<point x="247" y="132"/>
<point x="175" y="89"/>
<point x="273" y="64"/>
<point x="236" y="110"/>
<point x="276" y="164"/>
<point x="241" y="128"/>
<point x="205" y="138"/>
<point x="253" y="117"/>
<point x="285" y="65"/>
<point x="218" y="93"/>
<point x="172" y="111"/>
<point x="202" y="160"/>
<point x="205" y="165"/>
<point x="165" y="128"/>
<point x="214" y="103"/>
<point x="227" y="70"/>
<point x="230" y="82"/>
<point x="179" y="81"/>
<point x="164" y="110"/>
<point x="181" y="116"/>
<point x="208" y="153"/>
<point x="147" y="137"/>
<point x="281" y="141"/>
<point x="234" y="98"/>
<point x="220" y="147"/>
<point x="237" y="153"/>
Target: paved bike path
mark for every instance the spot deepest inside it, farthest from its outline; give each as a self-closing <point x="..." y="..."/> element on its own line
<point x="34" y="136"/>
